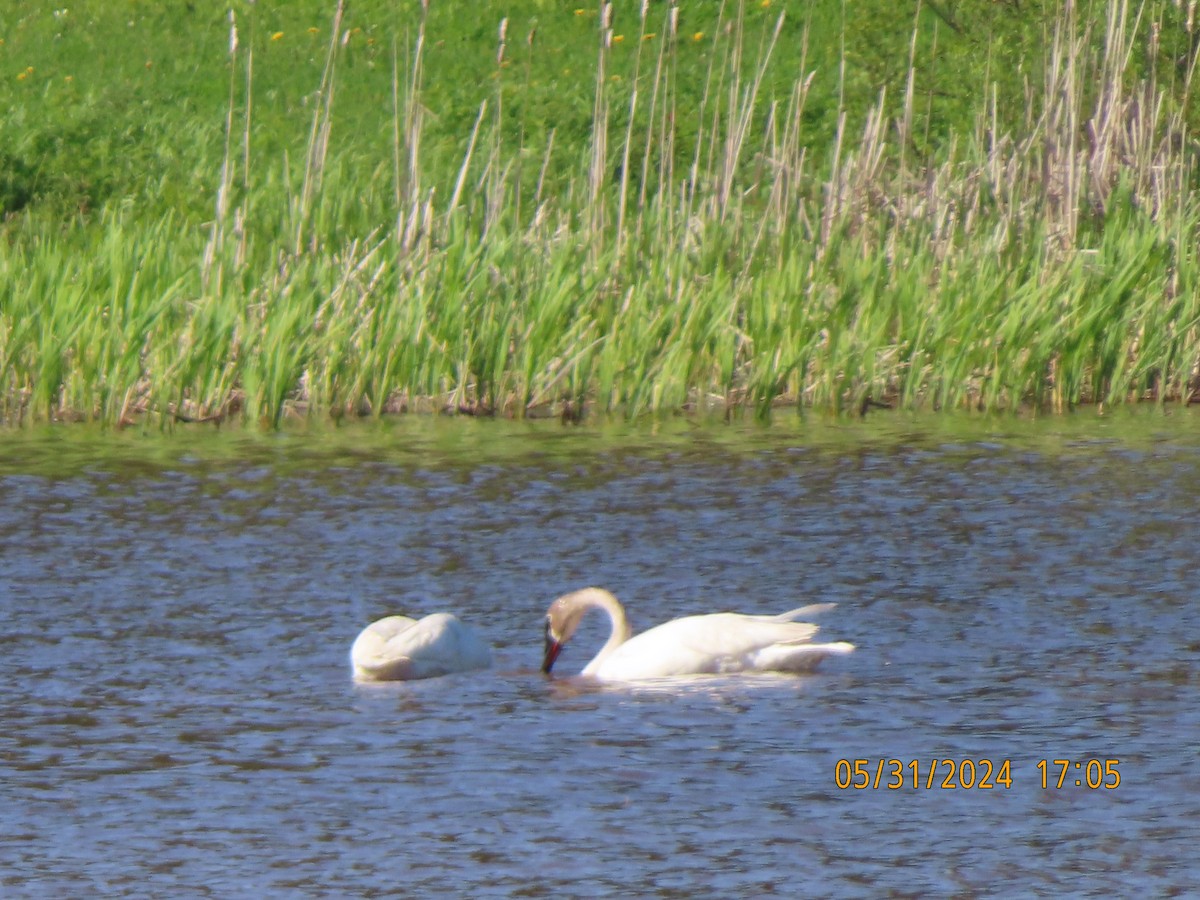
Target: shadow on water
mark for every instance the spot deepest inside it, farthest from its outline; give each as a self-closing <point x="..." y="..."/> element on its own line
<point x="179" y="609"/>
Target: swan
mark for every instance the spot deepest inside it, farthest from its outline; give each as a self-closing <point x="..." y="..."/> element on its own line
<point x="717" y="643"/>
<point x="397" y="648"/>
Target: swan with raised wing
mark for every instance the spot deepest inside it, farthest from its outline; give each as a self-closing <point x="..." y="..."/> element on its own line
<point x="717" y="643"/>
<point x="398" y="648"/>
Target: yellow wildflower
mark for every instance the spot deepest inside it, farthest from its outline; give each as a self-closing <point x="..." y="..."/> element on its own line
<point x="277" y="36"/>
<point x="313" y="29"/>
<point x="581" y="12"/>
<point x="21" y="76"/>
<point x="617" y="38"/>
<point x="698" y="36"/>
<point x="649" y="37"/>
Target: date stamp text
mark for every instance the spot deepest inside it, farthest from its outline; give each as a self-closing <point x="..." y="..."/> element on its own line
<point x="970" y="774"/>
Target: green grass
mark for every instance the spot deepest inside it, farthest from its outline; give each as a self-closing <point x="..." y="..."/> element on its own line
<point x="371" y="212"/>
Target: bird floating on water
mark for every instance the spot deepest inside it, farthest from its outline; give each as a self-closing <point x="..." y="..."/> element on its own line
<point x="398" y="648"/>
<point x="717" y="643"/>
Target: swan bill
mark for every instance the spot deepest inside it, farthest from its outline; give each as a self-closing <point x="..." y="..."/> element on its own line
<point x="553" y="647"/>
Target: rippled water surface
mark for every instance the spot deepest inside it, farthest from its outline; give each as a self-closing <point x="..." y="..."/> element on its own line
<point x="178" y="717"/>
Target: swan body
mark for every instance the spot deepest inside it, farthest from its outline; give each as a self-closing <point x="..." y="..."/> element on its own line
<point x="717" y="643"/>
<point x="398" y="648"/>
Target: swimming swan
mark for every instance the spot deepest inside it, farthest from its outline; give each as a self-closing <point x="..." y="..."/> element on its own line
<point x="398" y="648"/>
<point x="718" y="643"/>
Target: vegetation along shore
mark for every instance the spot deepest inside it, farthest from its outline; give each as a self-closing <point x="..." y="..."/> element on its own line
<point x="310" y="208"/>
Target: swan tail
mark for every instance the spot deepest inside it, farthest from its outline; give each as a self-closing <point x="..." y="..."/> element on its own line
<point x="813" y="609"/>
<point x="798" y="658"/>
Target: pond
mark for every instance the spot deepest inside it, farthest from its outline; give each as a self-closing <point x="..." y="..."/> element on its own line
<point x="179" y="718"/>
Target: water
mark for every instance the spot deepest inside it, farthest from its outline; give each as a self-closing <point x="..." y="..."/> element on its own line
<point x="178" y="718"/>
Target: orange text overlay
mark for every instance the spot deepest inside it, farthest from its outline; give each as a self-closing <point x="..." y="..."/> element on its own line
<point x="970" y="774"/>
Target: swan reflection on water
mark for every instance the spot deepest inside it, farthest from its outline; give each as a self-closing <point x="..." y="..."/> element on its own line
<point x="728" y="689"/>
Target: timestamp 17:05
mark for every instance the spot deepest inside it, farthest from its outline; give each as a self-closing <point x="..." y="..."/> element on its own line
<point x="1092" y="773"/>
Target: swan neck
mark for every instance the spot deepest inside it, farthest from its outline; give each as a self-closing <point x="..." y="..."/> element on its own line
<point x="620" y="627"/>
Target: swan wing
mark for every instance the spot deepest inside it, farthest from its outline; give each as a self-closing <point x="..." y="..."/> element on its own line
<point x="716" y="643"/>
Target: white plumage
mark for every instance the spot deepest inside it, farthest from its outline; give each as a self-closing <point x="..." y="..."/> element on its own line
<point x="398" y="648"/>
<point x="718" y="643"/>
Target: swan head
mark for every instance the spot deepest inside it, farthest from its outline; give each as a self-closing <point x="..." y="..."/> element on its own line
<point x="564" y="614"/>
<point x="562" y="618"/>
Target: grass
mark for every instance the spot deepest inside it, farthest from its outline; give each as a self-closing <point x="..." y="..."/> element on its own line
<point x="357" y="213"/>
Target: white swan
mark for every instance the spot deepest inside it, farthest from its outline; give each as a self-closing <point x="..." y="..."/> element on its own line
<point x="694" y="645"/>
<point x="398" y="648"/>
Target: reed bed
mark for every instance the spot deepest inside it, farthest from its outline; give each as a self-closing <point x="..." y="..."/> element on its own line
<point x="1046" y="266"/>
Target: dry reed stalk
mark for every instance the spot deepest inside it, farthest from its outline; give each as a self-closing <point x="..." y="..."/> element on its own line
<point x="599" y="138"/>
<point x="319" y="133"/>
<point x="216" y="238"/>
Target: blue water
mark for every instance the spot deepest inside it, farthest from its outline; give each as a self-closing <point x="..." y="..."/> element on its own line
<point x="178" y="716"/>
